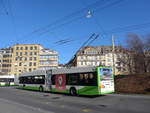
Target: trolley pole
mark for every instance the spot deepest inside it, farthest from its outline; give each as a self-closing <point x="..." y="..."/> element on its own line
<point x="113" y="53"/>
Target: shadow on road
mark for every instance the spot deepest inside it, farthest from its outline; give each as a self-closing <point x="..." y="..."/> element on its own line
<point x="64" y="94"/>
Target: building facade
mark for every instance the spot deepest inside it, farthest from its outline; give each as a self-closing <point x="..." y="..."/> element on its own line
<point x="48" y="59"/>
<point x="26" y="58"/>
<point x="100" y="56"/>
<point x="5" y="60"/>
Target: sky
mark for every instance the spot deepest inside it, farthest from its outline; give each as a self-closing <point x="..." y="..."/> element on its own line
<point x="49" y="22"/>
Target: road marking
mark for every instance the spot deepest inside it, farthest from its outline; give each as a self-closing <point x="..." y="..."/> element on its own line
<point x="62" y="106"/>
<point x="47" y="102"/>
<point x="86" y="110"/>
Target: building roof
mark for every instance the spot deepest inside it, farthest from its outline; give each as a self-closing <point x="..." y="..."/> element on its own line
<point x="26" y="44"/>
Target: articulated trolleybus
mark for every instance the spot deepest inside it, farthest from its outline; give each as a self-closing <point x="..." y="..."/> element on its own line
<point x="73" y="80"/>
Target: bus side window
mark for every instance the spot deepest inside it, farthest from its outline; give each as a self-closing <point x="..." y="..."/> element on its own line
<point x="92" y="79"/>
<point x="28" y="80"/>
<point x="32" y="80"/>
<point x="72" y="79"/>
<point x="81" y="79"/>
<point x="11" y="79"/>
<point x="43" y="79"/>
<point x="24" y="80"/>
<point x="88" y="79"/>
<point x="20" y="80"/>
<point x="40" y="79"/>
<point x="53" y="79"/>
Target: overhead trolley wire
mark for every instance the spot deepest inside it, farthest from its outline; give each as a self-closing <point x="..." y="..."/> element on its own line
<point x="81" y="16"/>
<point x="47" y="28"/>
<point x="86" y="43"/>
<point x="4" y="7"/>
<point x="128" y="28"/>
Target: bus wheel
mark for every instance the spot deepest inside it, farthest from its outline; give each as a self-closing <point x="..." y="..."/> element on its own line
<point x="41" y="89"/>
<point x="24" y="85"/>
<point x="73" y="91"/>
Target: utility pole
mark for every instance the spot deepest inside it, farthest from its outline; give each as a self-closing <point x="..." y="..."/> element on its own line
<point x="113" y="53"/>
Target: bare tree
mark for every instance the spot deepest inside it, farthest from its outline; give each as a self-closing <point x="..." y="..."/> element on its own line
<point x="125" y="57"/>
<point x="140" y="47"/>
<point x="136" y="57"/>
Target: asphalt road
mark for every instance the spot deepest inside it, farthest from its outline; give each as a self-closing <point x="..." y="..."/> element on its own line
<point x="14" y="100"/>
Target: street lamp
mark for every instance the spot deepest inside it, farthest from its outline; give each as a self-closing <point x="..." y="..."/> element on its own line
<point x="89" y="14"/>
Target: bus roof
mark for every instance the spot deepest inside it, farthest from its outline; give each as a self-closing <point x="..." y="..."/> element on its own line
<point x="68" y="70"/>
<point x="65" y="70"/>
<point x="33" y="73"/>
<point x="7" y="76"/>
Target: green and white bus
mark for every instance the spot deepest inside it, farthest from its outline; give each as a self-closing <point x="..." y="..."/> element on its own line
<point x="73" y="80"/>
<point x="7" y="80"/>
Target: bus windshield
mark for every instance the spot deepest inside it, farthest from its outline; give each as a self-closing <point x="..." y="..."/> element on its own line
<point x="106" y="74"/>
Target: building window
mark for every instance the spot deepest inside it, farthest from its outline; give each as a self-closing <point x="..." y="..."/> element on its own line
<point x="34" y="58"/>
<point x="30" y="53"/>
<point x="98" y="57"/>
<point x="94" y="57"/>
<point x="20" y="53"/>
<point x="21" y="48"/>
<point x="26" y="48"/>
<point x="25" y="59"/>
<point x="85" y="63"/>
<point x="20" y="64"/>
<point x="26" y="53"/>
<point x="16" y="53"/>
<point x="79" y="63"/>
<point x="30" y="69"/>
<point x="35" y="53"/>
<point x="35" y="47"/>
<point x="119" y="69"/>
<point x="93" y="63"/>
<point x="30" y="63"/>
<point x="20" y="58"/>
<point x="31" y="48"/>
<point x="34" y="64"/>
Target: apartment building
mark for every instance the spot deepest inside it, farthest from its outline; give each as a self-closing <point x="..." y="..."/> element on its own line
<point x="25" y="58"/>
<point x="5" y="60"/>
<point x="48" y="59"/>
<point x="29" y="57"/>
<point x="99" y="56"/>
<point x="1" y="60"/>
